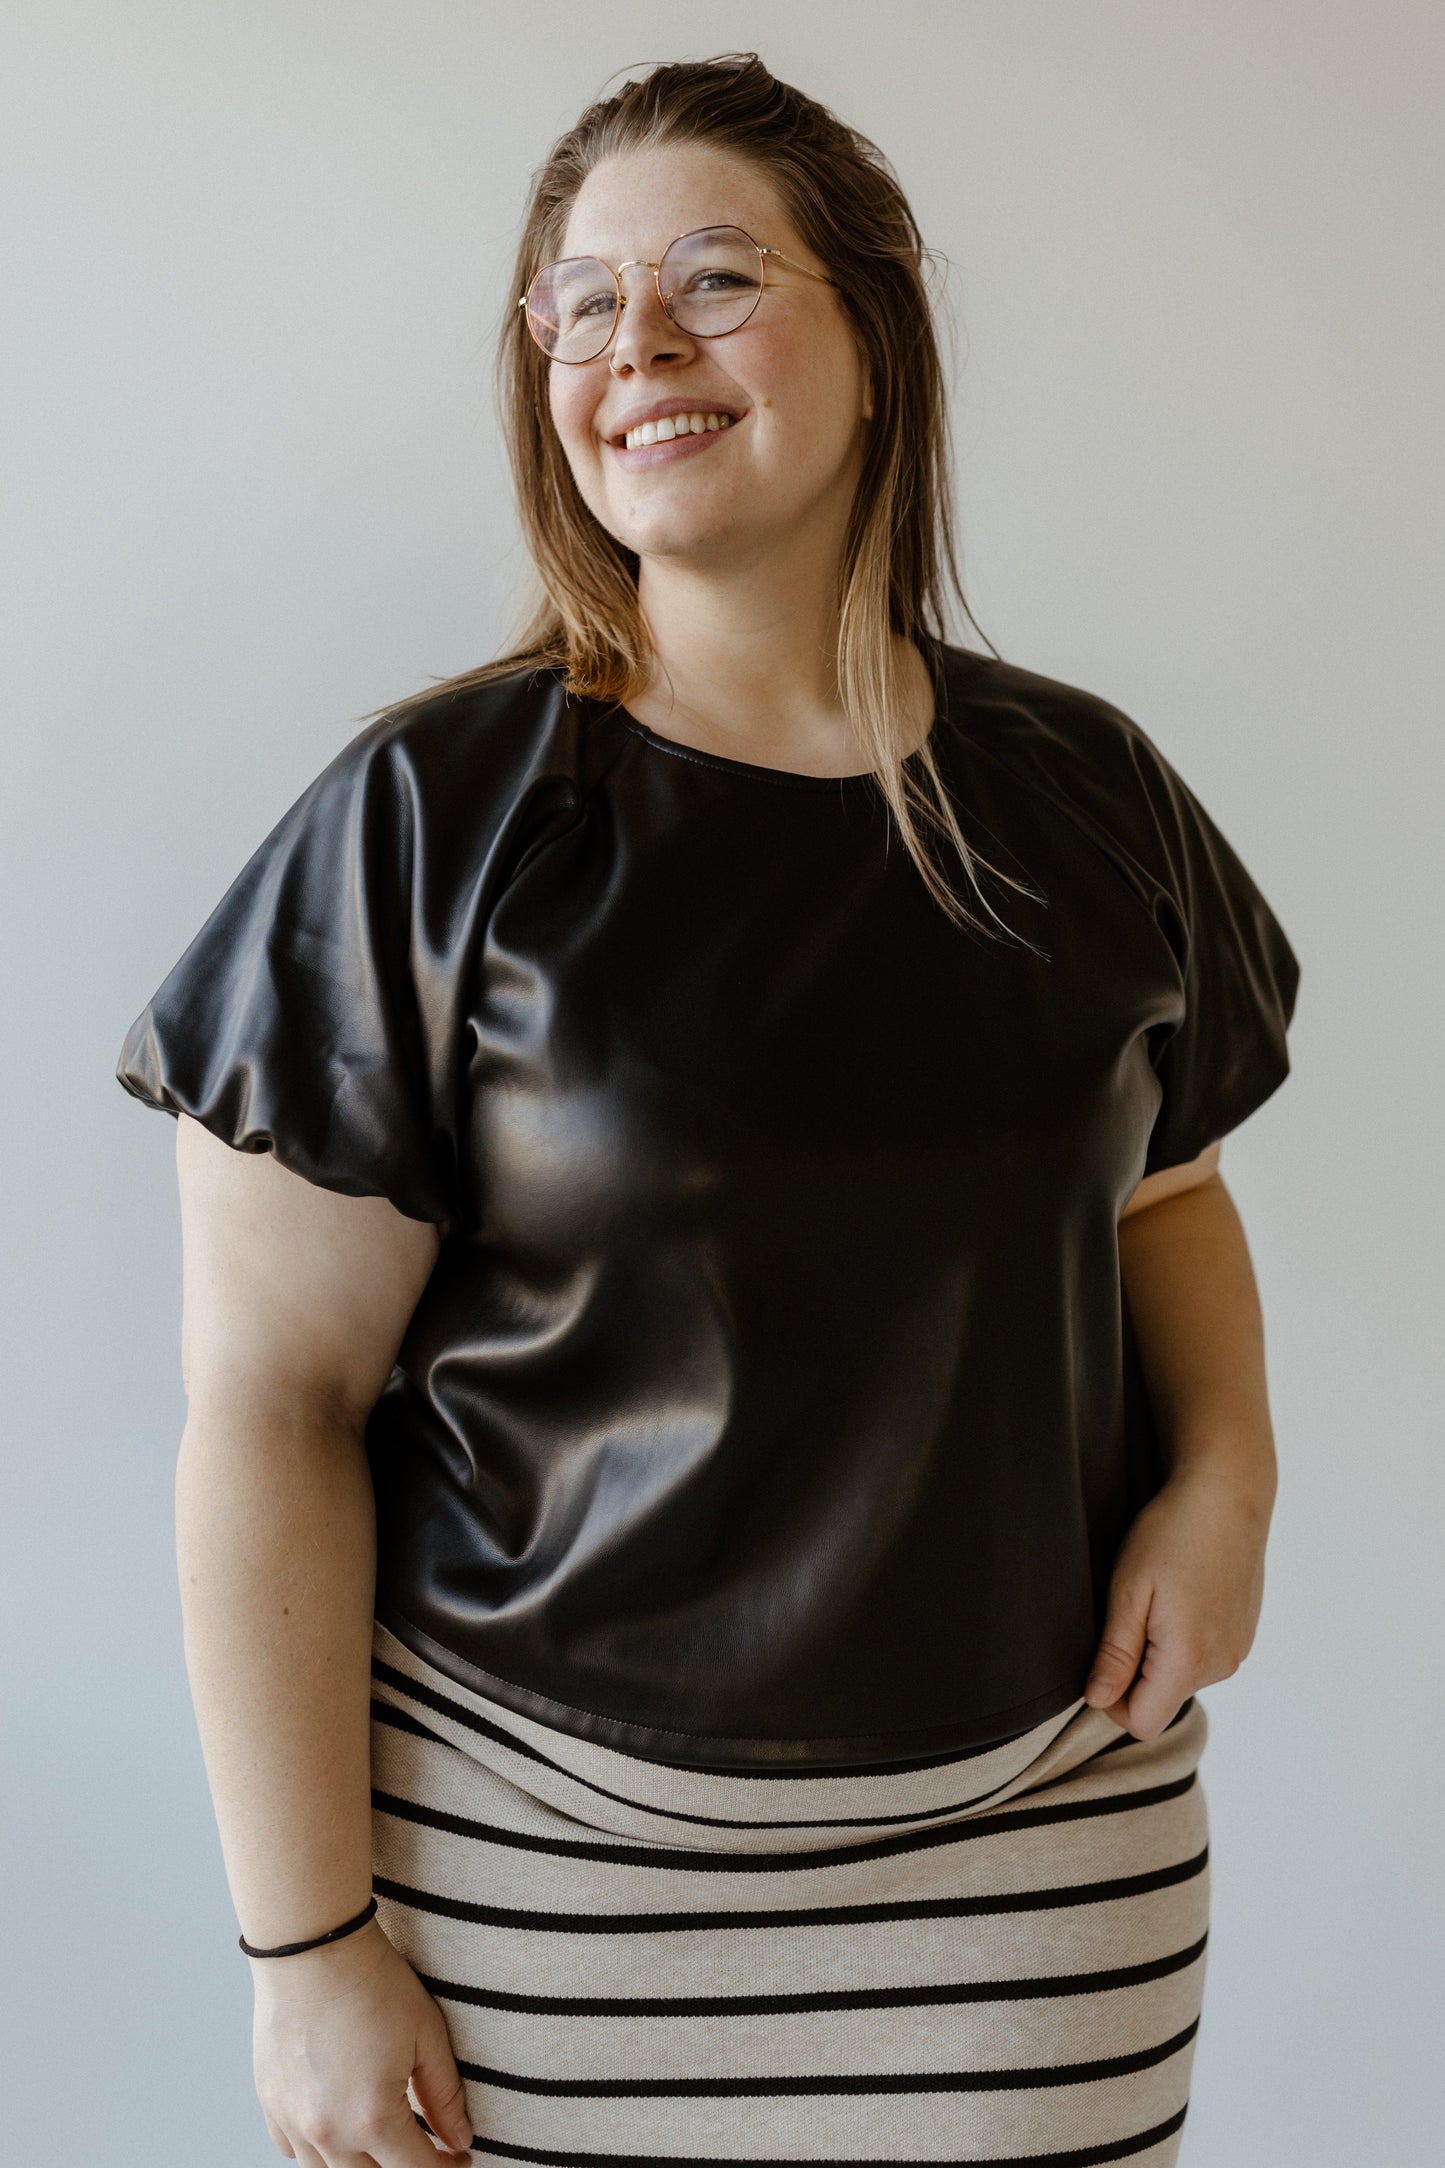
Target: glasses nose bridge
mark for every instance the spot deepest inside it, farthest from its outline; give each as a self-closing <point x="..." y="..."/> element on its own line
<point x="639" y="263"/>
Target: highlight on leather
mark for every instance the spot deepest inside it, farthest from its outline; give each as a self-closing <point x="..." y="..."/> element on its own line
<point x="773" y="1398"/>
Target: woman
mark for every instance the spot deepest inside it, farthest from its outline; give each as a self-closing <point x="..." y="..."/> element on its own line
<point x="668" y="1125"/>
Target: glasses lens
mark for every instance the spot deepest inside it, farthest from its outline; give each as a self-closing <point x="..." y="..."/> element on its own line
<point x="710" y="281"/>
<point x="571" y="307"/>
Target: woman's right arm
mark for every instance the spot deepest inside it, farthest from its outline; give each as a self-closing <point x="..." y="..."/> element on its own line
<point x="295" y="1301"/>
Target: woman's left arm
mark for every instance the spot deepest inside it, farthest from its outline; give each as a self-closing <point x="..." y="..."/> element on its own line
<point x="1188" y="1583"/>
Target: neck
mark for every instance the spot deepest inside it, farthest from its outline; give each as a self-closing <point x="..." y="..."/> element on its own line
<point x="746" y="663"/>
<point x="744" y="658"/>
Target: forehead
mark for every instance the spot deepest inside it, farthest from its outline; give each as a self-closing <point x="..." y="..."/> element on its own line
<point x="631" y="206"/>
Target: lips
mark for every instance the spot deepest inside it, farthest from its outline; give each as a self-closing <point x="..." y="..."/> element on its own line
<point x="668" y="430"/>
<point x="670" y="410"/>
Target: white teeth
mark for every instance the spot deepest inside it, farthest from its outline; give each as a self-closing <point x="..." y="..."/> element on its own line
<point x="676" y="425"/>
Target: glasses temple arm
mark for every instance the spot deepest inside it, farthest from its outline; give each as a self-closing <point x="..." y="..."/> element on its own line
<point x="799" y="266"/>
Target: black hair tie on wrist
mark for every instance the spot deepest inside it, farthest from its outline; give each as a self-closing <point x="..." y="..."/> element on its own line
<point x="290" y="1949"/>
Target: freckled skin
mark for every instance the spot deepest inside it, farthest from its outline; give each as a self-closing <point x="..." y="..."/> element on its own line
<point x="792" y="466"/>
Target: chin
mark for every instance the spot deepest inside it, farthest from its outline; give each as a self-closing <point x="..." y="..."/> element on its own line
<point x="680" y="538"/>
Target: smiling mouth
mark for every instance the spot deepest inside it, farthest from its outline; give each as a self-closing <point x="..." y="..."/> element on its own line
<point x="675" y="434"/>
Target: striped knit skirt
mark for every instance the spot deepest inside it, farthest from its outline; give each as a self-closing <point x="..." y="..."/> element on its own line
<point x="996" y="1957"/>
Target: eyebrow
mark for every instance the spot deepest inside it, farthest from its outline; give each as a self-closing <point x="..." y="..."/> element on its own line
<point x="608" y="251"/>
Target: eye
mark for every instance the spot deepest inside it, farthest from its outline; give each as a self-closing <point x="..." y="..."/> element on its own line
<point x="598" y="304"/>
<point x="715" y="281"/>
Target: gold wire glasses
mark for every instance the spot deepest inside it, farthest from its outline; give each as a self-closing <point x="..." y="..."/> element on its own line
<point x="709" y="282"/>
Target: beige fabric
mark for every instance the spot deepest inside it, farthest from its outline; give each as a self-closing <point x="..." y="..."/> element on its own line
<point x="997" y="1959"/>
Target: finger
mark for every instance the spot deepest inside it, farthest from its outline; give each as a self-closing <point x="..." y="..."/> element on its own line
<point x="398" y="2142"/>
<point x="1121" y="1647"/>
<point x="394" y="2139"/>
<point x="460" y="2156"/>
<point x="278" y="2137"/>
<point x="337" y="2157"/>
<point x="1162" y="1689"/>
<point x="331" y="2156"/>
<point x="1118" y="1713"/>
<point x="437" y="2083"/>
<point x="442" y="2149"/>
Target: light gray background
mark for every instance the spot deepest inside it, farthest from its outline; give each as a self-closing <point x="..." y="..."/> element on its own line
<point x="254" y="256"/>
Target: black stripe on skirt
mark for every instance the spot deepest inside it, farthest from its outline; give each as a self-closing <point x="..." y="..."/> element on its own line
<point x="994" y="1958"/>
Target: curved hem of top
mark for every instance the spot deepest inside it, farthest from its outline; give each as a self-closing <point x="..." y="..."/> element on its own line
<point x="860" y="1753"/>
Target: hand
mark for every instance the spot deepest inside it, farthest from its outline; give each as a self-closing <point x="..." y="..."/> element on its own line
<point x="1184" y="1598"/>
<point x="339" y="2033"/>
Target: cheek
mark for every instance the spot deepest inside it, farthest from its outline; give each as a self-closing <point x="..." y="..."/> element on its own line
<point x="573" y="406"/>
<point x="812" y="394"/>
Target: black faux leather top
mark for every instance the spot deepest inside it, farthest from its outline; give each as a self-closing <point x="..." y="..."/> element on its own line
<point x="773" y="1401"/>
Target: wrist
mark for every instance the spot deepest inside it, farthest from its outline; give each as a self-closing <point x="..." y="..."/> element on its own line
<point x="1248" y="1479"/>
<point x="322" y="1970"/>
<point x="352" y="1924"/>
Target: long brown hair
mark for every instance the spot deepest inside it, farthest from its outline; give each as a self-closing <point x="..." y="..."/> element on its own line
<point x="583" y="617"/>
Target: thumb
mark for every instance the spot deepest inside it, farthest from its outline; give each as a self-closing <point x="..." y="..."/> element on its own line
<point x="438" y="2086"/>
<point x="1121" y="1647"/>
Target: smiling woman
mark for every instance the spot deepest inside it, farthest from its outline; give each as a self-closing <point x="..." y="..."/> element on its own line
<point x="647" y="221"/>
<point x="792" y="370"/>
<point x="732" y="1327"/>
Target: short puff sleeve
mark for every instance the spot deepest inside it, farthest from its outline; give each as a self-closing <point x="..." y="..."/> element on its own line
<point x="1226" y="1052"/>
<point x="293" y="1023"/>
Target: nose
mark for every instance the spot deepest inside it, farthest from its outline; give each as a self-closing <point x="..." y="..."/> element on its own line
<point x="645" y="333"/>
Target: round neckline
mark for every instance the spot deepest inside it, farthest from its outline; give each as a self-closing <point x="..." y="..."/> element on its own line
<point x="793" y="778"/>
<point x="787" y="778"/>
